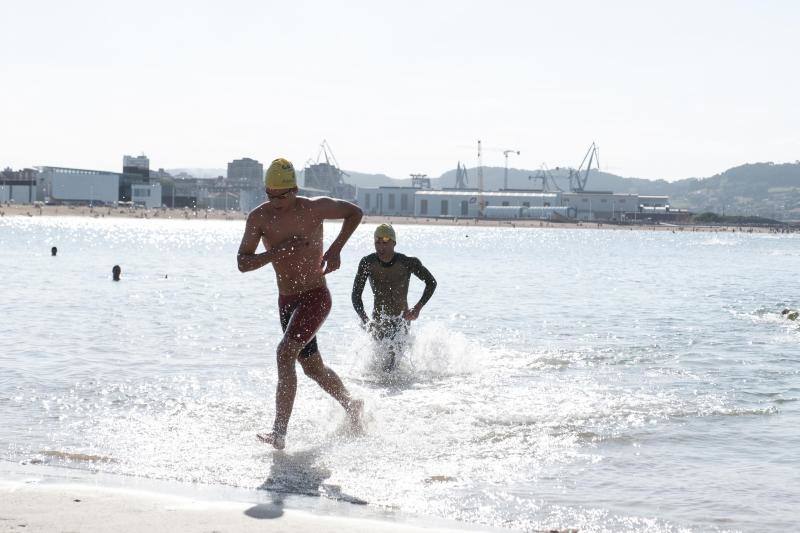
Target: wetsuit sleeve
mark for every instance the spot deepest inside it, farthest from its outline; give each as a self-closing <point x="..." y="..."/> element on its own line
<point x="358" y="289"/>
<point x="416" y="267"/>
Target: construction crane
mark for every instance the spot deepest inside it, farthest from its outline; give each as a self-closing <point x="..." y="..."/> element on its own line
<point x="505" y="174"/>
<point x="578" y="178"/>
<point x="481" y="203"/>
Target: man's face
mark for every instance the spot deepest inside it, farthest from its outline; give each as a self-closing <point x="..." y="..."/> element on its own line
<point x="281" y="198"/>
<point x="384" y="246"/>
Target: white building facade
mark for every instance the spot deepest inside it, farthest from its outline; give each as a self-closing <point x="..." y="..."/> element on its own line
<point x="146" y="194"/>
<point x="74" y="185"/>
<point x="397" y="201"/>
<point x="460" y="203"/>
<point x="601" y="205"/>
<point x="464" y="203"/>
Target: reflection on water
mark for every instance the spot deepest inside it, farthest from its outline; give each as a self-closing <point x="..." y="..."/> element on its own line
<point x="619" y="381"/>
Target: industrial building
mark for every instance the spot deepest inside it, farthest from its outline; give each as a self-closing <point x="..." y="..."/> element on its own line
<point x="18" y="186"/>
<point x="465" y="203"/>
<point x="600" y="205"/>
<point x="60" y="185"/>
<point x="397" y="201"/>
<point x="138" y="165"/>
<point x="248" y="176"/>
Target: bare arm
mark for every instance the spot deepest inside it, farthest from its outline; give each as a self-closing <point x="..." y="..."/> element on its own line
<point x="330" y="209"/>
<point x="247" y="258"/>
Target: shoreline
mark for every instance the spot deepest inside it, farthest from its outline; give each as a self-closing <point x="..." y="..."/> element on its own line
<point x="211" y="214"/>
<point x="50" y="498"/>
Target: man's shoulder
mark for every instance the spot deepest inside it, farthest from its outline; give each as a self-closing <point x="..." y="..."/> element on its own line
<point x="259" y="212"/>
<point x="314" y="201"/>
<point x="406" y="259"/>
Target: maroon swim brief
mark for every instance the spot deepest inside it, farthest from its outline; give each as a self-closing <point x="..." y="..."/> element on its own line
<point x="303" y="314"/>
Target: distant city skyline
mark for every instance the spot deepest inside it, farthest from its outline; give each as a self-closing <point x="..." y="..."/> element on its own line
<point x="685" y="89"/>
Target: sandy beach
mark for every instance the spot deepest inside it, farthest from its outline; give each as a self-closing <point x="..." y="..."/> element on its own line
<point x="211" y="214"/>
<point x="37" y="507"/>
<point x="42" y="498"/>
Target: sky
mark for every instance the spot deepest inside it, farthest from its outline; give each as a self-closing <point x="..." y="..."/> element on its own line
<point x="666" y="89"/>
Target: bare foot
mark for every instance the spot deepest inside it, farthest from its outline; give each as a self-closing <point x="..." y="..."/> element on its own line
<point x="355" y="409"/>
<point x="278" y="441"/>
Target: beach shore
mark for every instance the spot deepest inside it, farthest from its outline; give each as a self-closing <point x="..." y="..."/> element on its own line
<point x="88" y="509"/>
<point x="11" y="210"/>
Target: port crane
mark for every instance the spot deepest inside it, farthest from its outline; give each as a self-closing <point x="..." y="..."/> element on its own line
<point x="462" y="178"/>
<point x="579" y="177"/>
<point x="547" y="179"/>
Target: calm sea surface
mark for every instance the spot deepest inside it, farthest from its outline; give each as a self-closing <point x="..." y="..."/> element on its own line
<point x="599" y="380"/>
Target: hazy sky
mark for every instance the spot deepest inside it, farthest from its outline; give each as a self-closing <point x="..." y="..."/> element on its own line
<point x="667" y="90"/>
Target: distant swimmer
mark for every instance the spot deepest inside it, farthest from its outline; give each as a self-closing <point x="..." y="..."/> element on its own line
<point x="53" y="251"/>
<point x="389" y="275"/>
<point x="290" y="227"/>
<point x="116" y="272"/>
<point x="790" y="314"/>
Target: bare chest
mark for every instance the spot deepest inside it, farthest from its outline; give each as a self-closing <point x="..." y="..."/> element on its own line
<point x="300" y="224"/>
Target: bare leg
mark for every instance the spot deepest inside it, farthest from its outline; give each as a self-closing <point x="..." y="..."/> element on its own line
<point x="284" y="393"/>
<point x="327" y="379"/>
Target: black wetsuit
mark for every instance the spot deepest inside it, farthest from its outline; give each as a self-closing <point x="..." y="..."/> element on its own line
<point x="389" y="282"/>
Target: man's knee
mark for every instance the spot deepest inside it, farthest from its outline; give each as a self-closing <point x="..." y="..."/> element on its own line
<point x="312" y="366"/>
<point x="287" y="351"/>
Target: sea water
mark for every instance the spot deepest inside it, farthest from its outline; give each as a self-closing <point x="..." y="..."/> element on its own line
<point x="558" y="378"/>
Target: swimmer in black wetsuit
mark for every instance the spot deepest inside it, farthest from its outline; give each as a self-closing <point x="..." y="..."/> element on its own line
<point x="389" y="274"/>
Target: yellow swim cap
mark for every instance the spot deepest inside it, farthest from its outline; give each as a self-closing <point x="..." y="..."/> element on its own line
<point x="385" y="231"/>
<point x="280" y="175"/>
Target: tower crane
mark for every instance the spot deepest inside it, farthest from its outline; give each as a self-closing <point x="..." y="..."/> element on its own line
<point x="505" y="174"/>
<point x="481" y="203"/>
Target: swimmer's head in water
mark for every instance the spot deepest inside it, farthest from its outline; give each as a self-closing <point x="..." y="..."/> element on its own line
<point x="115" y="272"/>
<point x="280" y="175"/>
